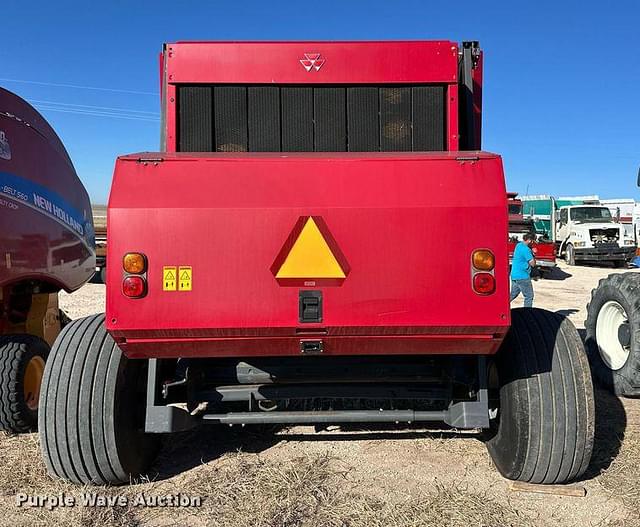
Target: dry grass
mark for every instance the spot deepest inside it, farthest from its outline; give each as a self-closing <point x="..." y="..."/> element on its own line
<point x="622" y="478"/>
<point x="245" y="490"/>
<point x="22" y="471"/>
<point x="282" y="488"/>
<point x="616" y="457"/>
<point x="319" y="491"/>
<point x="18" y="471"/>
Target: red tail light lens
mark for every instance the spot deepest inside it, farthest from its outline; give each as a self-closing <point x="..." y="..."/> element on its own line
<point x="134" y="287"/>
<point x="484" y="283"/>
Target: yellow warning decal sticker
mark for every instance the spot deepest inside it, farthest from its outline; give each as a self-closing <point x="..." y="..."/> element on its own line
<point x="169" y="278"/>
<point x="310" y="256"/>
<point x="184" y="278"/>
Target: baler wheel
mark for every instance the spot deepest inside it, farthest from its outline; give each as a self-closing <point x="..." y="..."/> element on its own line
<point x="545" y="423"/>
<point x="22" y="360"/>
<point x="92" y="405"/>
<point x="613" y="333"/>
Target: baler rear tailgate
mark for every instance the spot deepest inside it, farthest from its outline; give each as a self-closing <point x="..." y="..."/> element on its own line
<point x="386" y="239"/>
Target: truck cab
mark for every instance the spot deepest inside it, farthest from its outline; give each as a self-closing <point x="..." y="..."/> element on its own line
<point x="589" y="233"/>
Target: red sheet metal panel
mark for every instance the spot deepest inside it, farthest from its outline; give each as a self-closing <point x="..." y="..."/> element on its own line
<point x="406" y="223"/>
<point x="330" y="62"/>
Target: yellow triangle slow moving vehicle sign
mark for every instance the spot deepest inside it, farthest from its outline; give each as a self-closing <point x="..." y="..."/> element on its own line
<point x="310" y="256"/>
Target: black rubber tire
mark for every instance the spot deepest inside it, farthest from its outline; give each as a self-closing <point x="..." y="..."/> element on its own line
<point x="624" y="288"/>
<point x="570" y="255"/>
<point x="15" y="353"/>
<point x="92" y="405"/>
<point x="545" y="426"/>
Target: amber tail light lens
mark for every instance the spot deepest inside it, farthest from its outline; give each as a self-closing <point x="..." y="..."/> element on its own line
<point x="484" y="283"/>
<point x="134" y="287"/>
<point x="134" y="263"/>
<point x="483" y="260"/>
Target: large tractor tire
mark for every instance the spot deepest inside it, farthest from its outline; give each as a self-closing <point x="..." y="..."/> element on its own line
<point x="92" y="405"/>
<point x="544" y="428"/>
<point x="22" y="364"/>
<point x="613" y="333"/>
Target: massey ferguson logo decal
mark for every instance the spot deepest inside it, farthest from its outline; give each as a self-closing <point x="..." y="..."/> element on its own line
<point x="312" y="61"/>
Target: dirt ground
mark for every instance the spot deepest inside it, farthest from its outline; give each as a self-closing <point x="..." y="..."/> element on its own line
<point x="383" y="476"/>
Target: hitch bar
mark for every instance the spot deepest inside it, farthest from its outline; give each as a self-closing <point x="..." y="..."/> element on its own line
<point x="336" y="416"/>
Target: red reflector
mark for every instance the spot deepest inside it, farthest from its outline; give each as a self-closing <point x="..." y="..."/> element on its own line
<point x="133" y="286"/>
<point x="484" y="283"/>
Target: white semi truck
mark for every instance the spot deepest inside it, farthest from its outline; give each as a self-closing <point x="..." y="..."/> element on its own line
<point x="583" y="229"/>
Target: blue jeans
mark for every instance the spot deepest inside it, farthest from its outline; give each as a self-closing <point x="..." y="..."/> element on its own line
<point x="525" y="287"/>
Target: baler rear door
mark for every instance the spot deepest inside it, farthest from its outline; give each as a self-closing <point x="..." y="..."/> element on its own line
<point x="365" y="254"/>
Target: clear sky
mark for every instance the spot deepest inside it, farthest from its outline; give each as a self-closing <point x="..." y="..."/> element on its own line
<point x="562" y="79"/>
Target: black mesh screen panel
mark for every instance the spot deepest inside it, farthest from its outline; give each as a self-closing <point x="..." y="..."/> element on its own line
<point x="195" y="113"/>
<point x="363" y="119"/>
<point x="323" y="118"/>
<point x="230" y="118"/>
<point x="297" y="119"/>
<point x="263" y="111"/>
<point x="395" y="119"/>
<point x="329" y="110"/>
<point x="428" y="118"/>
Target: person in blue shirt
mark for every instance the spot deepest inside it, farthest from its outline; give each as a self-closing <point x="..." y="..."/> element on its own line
<point x="521" y="265"/>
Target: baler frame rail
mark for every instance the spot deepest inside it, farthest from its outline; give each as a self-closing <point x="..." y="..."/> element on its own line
<point x="167" y="418"/>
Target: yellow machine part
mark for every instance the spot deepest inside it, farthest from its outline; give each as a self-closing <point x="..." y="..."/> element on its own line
<point x="43" y="319"/>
